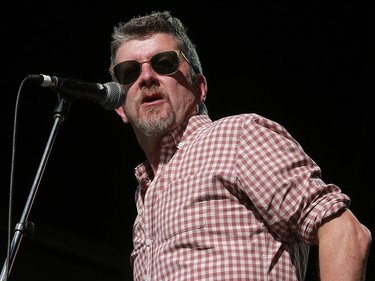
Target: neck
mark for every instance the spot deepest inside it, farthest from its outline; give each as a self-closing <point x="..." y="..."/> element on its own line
<point x="151" y="146"/>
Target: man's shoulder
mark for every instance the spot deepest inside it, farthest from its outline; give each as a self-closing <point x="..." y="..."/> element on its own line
<point x="239" y="118"/>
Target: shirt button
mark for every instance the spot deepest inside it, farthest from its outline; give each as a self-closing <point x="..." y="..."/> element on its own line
<point x="148" y="241"/>
<point x="180" y="144"/>
<point x="148" y="278"/>
<point x="140" y="211"/>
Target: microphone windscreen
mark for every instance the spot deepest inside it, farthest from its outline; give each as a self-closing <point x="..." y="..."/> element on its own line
<point x="115" y="96"/>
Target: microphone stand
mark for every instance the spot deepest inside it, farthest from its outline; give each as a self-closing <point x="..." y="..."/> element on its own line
<point x="24" y="226"/>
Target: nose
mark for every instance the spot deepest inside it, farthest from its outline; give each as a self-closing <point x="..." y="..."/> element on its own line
<point x="147" y="75"/>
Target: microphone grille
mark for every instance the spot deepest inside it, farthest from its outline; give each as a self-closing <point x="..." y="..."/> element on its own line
<point x="115" y="96"/>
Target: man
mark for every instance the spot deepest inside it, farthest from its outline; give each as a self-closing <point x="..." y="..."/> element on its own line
<point x="233" y="199"/>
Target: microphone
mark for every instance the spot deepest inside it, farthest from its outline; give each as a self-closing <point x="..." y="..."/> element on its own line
<point x="110" y="95"/>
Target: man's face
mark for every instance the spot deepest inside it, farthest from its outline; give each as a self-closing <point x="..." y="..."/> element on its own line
<point x="156" y="103"/>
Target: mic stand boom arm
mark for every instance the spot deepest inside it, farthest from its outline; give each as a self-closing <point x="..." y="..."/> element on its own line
<point x="24" y="226"/>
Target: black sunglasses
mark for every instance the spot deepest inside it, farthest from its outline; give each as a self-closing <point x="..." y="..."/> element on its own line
<point x="165" y="63"/>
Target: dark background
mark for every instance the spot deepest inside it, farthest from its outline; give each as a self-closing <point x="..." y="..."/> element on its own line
<point x="307" y="65"/>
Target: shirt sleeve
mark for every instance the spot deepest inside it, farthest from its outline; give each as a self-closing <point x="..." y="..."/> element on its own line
<point x="283" y="183"/>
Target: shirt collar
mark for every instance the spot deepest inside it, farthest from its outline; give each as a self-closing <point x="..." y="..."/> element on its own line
<point x="174" y="140"/>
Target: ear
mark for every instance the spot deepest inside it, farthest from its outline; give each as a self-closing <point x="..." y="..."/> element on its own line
<point x="121" y="112"/>
<point x="202" y="88"/>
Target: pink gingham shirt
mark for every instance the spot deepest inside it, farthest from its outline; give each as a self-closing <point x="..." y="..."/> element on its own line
<point x="233" y="199"/>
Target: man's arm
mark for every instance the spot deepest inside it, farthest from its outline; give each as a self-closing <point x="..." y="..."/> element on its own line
<point x="344" y="245"/>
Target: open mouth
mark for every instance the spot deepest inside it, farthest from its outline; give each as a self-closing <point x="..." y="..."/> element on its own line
<point x="152" y="99"/>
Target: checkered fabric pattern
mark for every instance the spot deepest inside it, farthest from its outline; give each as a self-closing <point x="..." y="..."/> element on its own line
<point x="233" y="199"/>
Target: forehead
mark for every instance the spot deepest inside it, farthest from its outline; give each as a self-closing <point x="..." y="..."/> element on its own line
<point x="142" y="48"/>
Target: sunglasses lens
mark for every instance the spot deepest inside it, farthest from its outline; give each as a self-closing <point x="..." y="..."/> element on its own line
<point x="165" y="63"/>
<point x="127" y="72"/>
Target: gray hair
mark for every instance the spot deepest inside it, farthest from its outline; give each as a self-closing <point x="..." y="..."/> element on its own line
<point x="159" y="22"/>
